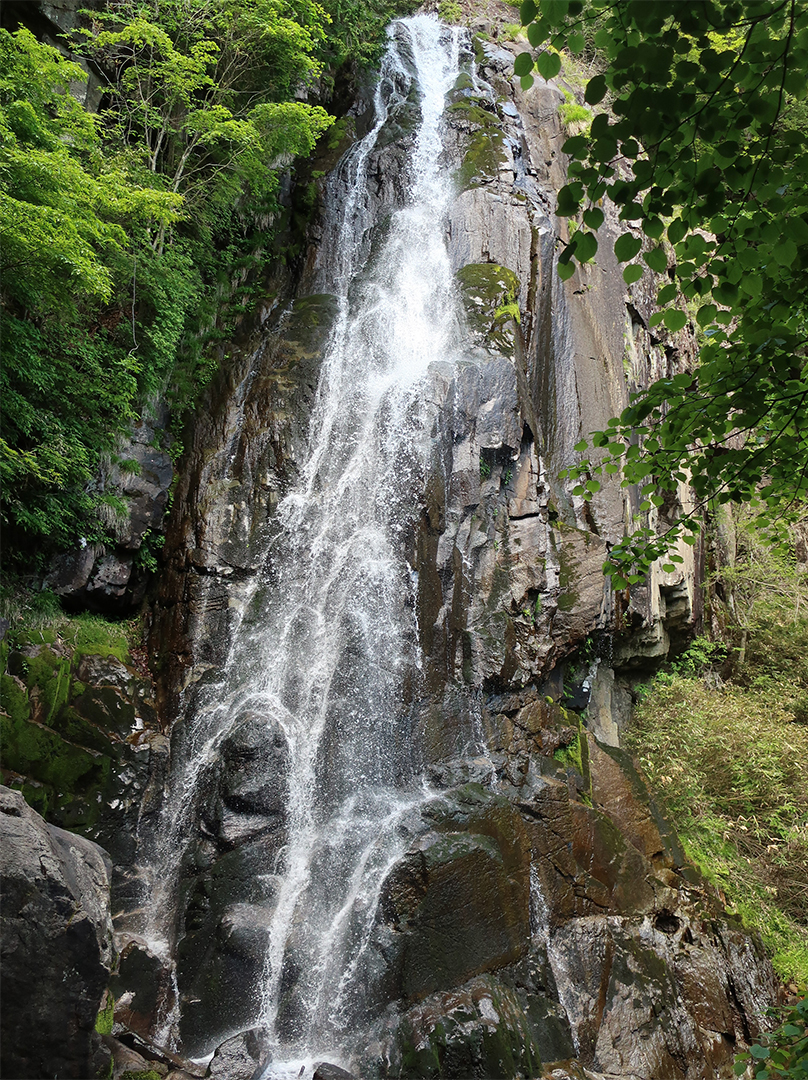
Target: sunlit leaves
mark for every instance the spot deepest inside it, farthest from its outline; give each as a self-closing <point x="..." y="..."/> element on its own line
<point x="701" y="148"/>
<point x="548" y="64"/>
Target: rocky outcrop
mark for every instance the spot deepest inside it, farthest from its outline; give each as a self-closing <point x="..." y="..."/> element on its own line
<point x="542" y="911"/>
<point x="557" y="919"/>
<point x="57" y="948"/>
<point x="80" y="735"/>
<point x="111" y="577"/>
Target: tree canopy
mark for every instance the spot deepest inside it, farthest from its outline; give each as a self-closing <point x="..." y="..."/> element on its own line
<point x="130" y="239"/>
<point x="700" y="139"/>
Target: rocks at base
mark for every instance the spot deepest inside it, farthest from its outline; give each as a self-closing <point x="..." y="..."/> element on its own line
<point x="242" y="1057"/>
<point x="57" y="947"/>
<point x="80" y="734"/>
<point x="324" y="1070"/>
<point x="625" y="961"/>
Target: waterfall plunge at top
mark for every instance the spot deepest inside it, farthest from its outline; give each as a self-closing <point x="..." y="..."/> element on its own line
<point x="321" y="661"/>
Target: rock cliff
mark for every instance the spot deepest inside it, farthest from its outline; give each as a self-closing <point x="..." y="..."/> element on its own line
<point x="541" y="918"/>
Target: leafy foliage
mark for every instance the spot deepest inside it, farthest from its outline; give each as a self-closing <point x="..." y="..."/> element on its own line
<point x="702" y="150"/>
<point x="784" y="1052"/>
<point x="723" y="742"/>
<point x="131" y="241"/>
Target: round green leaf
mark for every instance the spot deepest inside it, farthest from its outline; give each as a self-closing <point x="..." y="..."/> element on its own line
<point x="626" y="247"/>
<point x="595" y="90"/>
<point x="586" y="246"/>
<point x="523" y="64"/>
<point x="632" y="273"/>
<point x="566" y="270"/>
<point x="674" y="319"/>
<point x="549" y="64"/>
<point x="656" y="259"/>
<point x="593" y="217"/>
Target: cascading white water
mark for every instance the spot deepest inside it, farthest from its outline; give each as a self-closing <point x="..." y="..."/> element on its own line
<point x="324" y="652"/>
<point x="348" y="614"/>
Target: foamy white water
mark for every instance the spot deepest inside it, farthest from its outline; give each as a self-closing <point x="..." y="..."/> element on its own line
<point x="326" y="647"/>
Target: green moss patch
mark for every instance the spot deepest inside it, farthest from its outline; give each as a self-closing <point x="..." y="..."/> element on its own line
<point x="490" y="296"/>
<point x="41" y="754"/>
<point x="485" y="151"/>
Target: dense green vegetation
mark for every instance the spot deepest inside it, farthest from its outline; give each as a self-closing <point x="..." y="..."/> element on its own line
<point x="723" y="738"/>
<point x="131" y="240"/>
<point x="700" y="144"/>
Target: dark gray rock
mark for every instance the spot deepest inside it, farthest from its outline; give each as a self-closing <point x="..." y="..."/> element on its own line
<point x="242" y="1057"/>
<point x="57" y="947"/>
<point x="324" y="1070"/>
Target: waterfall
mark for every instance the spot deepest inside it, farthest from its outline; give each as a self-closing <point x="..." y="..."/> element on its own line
<point x="330" y="638"/>
<point x="344" y="634"/>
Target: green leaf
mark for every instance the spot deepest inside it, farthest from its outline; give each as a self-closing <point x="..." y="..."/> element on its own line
<point x="548" y="64"/>
<point x="575" y="146"/>
<point x="569" y="200"/>
<point x="674" y="319"/>
<point x="626" y="247"/>
<point x="528" y="12"/>
<point x="536" y="34"/>
<point x="632" y="273"/>
<point x="576" y="43"/>
<point x="566" y="270"/>
<point x="595" y="90"/>
<point x="523" y="64"/>
<point x="593" y="217"/>
<point x="785" y="253"/>
<point x="526" y="82"/>
<point x="656" y="259"/>
<point x="586" y="246"/>
<point x="676" y="230"/>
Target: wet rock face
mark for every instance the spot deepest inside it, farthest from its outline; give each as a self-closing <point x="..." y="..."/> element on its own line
<point x="231" y="880"/>
<point x="620" y="959"/>
<point x="56" y="944"/>
<point x="111" y="578"/>
<point x="544" y="911"/>
<point x="244" y="452"/>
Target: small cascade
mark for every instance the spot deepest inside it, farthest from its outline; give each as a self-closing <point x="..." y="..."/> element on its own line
<point x="329" y="641"/>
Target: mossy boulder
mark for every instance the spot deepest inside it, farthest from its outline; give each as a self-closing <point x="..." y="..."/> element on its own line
<point x="77" y="719"/>
<point x="490" y="296"/>
<point x="484" y="138"/>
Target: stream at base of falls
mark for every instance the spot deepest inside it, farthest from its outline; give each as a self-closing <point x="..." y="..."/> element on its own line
<point x="321" y="662"/>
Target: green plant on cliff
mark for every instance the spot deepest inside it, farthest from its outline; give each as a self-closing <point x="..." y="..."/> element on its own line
<point x="132" y="242"/>
<point x="783" y="1052"/>
<point x="68" y="379"/>
<point x="720" y="739"/>
<point x="703" y="153"/>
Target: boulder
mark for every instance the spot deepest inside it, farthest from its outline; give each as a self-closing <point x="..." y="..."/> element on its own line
<point x="57" y="949"/>
<point x="324" y="1070"/>
<point x="241" y="1057"/>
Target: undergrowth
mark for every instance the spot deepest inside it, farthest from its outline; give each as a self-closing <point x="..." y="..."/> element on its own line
<point x="36" y="617"/>
<point x="723" y="738"/>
